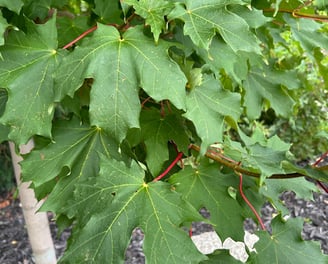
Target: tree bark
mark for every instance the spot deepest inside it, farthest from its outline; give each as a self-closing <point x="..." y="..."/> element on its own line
<point x="36" y="222"/>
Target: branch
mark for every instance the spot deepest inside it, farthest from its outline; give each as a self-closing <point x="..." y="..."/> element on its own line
<point x="236" y="166"/>
<point x="296" y="13"/>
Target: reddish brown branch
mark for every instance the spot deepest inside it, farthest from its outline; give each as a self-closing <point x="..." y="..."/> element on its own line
<point x="236" y="166"/>
<point x="296" y="13"/>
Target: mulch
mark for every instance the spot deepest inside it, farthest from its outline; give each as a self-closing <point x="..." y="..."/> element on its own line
<point x="15" y="248"/>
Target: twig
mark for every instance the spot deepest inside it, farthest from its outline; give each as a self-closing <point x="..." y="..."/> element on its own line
<point x="236" y="166"/>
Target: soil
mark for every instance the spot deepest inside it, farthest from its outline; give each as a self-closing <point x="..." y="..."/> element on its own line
<point x="15" y="248"/>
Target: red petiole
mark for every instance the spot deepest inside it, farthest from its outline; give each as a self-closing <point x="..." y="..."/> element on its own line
<point x="164" y="173"/>
<point x="315" y="164"/>
<point x="248" y="202"/>
<point x="80" y="37"/>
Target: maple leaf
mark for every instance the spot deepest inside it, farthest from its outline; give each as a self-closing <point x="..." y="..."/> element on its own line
<point x="118" y="201"/>
<point x="72" y="157"/>
<point x="263" y="154"/>
<point x="70" y="28"/>
<point x="154" y="12"/>
<point x="206" y="186"/>
<point x="157" y="131"/>
<point x="119" y="66"/>
<point x="3" y="26"/>
<point x="269" y="85"/>
<point x="202" y="21"/>
<point x="210" y="100"/>
<point x="221" y="56"/>
<point x="3" y="129"/>
<point x="273" y="188"/>
<point x="307" y="32"/>
<point x="33" y="57"/>
<point x="285" y="245"/>
<point x="13" y="5"/>
<point x="108" y="13"/>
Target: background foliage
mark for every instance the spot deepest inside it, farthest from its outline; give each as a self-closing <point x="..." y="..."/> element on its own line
<point x="143" y="112"/>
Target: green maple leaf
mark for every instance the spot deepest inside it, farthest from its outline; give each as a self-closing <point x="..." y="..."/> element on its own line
<point x="13" y="5"/>
<point x="263" y="154"/>
<point x="273" y="188"/>
<point x="157" y="131"/>
<point x="285" y="245"/>
<point x="70" y="28"/>
<point x="70" y="158"/>
<point x="124" y="202"/>
<point x="207" y="106"/>
<point x="269" y="85"/>
<point x="307" y="32"/>
<point x="37" y="9"/>
<point x="202" y="21"/>
<point x="253" y="17"/>
<point x="3" y="129"/>
<point x="323" y="69"/>
<point x="205" y="186"/>
<point x="26" y="71"/>
<point x="3" y="26"/>
<point x="268" y="161"/>
<point x="119" y="66"/>
<point x="154" y="12"/>
<point x="221" y="56"/>
<point x="308" y="170"/>
<point x="108" y="11"/>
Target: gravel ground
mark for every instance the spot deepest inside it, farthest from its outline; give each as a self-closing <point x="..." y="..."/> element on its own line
<point x="15" y="249"/>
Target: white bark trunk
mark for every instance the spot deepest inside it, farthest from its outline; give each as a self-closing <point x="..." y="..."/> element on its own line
<point x="37" y="223"/>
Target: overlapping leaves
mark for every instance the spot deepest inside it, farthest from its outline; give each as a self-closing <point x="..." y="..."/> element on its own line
<point x="271" y="86"/>
<point x="211" y="187"/>
<point x="207" y="106"/>
<point x="72" y="156"/>
<point x="118" y="201"/>
<point x="202" y="21"/>
<point x="13" y="5"/>
<point x="225" y="68"/>
<point x="157" y="131"/>
<point x="119" y="65"/>
<point x="154" y="12"/>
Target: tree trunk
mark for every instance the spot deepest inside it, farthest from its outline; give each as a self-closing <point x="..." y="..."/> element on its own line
<point x="36" y="222"/>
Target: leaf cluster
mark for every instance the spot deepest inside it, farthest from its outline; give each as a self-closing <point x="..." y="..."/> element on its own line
<point x="112" y="92"/>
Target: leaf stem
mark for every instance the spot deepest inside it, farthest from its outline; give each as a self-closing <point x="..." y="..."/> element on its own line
<point x="315" y="164"/>
<point x="248" y="202"/>
<point x="80" y="37"/>
<point x="175" y="161"/>
<point x="324" y="187"/>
